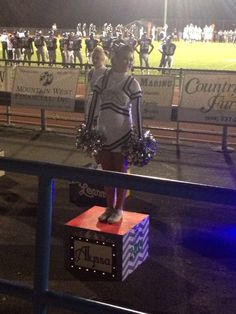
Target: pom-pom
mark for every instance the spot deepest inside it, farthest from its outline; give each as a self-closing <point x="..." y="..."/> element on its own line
<point x="140" y="151"/>
<point x="88" y="141"/>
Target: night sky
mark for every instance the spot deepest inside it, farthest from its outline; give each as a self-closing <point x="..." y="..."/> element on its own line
<point x="67" y="13"/>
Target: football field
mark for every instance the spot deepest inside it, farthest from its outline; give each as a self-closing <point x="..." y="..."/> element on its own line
<point x="212" y="56"/>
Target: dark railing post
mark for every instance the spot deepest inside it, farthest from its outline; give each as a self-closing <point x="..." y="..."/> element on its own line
<point x="8" y="113"/>
<point x="42" y="243"/>
<point x="224" y="147"/>
<point x="43" y="120"/>
<point x="224" y="138"/>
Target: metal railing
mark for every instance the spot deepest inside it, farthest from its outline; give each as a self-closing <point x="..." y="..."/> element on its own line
<point x="66" y="123"/>
<point x="39" y="294"/>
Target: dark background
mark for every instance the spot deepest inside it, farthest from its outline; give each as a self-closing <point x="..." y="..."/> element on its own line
<point x="67" y="13"/>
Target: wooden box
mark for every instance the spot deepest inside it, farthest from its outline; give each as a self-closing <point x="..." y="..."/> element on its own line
<point x="106" y="251"/>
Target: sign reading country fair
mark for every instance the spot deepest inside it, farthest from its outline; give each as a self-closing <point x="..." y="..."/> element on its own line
<point x="209" y="98"/>
<point x="157" y="96"/>
<point x="52" y="89"/>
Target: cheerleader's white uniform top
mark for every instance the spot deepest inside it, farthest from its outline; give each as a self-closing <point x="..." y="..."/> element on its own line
<point x="93" y="75"/>
<point x="117" y="102"/>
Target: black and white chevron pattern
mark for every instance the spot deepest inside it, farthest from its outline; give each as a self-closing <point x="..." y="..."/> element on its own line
<point x="135" y="248"/>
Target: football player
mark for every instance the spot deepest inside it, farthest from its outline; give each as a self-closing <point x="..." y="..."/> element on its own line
<point x="117" y="42"/>
<point x="62" y="47"/>
<point x="77" y="46"/>
<point x="39" y="42"/>
<point x="4" y="38"/>
<point x="9" y="49"/>
<point x="131" y="41"/>
<point x="167" y="50"/>
<point x="90" y="44"/>
<point x="70" y="49"/>
<point x="144" y="51"/>
<point x="106" y="43"/>
<point x="27" y="47"/>
<point x="84" y="32"/>
<point x="51" y="44"/>
<point x="16" y="46"/>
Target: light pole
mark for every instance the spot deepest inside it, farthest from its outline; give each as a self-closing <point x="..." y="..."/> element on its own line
<point x="165" y="12"/>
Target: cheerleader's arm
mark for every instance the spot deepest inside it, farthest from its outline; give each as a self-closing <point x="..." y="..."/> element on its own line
<point x="91" y="109"/>
<point x="136" y="115"/>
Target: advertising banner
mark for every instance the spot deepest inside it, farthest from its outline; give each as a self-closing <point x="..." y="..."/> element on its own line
<point x="157" y="96"/>
<point x="6" y="78"/>
<point x="52" y="89"/>
<point x="209" y="98"/>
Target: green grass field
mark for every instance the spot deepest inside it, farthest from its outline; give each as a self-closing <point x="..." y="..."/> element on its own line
<point x="212" y="56"/>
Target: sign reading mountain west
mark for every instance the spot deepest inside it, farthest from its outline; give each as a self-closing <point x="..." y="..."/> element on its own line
<point x="52" y="89"/>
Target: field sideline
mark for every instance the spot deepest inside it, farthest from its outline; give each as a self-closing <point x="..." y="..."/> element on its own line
<point x="212" y="56"/>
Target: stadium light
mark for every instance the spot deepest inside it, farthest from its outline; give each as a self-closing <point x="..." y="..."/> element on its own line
<point x="165" y="12"/>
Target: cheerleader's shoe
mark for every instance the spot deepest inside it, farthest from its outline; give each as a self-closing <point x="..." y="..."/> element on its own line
<point x="108" y="212"/>
<point x="115" y="217"/>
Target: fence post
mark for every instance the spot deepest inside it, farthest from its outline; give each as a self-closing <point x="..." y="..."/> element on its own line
<point x="42" y="243"/>
<point x="224" y="147"/>
<point x="43" y="120"/>
<point x="6" y="87"/>
<point x="8" y="113"/>
<point x="224" y="138"/>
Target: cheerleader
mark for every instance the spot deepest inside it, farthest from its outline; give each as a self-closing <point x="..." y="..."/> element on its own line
<point x="117" y="98"/>
<point x="98" y="60"/>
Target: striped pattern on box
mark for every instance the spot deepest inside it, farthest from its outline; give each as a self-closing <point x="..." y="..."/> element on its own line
<point x="135" y="248"/>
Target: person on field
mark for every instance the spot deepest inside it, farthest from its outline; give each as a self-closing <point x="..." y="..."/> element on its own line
<point x="77" y="46"/>
<point x="16" y="46"/>
<point x="10" y="49"/>
<point x="167" y="50"/>
<point x="39" y="43"/>
<point x="117" y="98"/>
<point x="144" y="51"/>
<point x="62" y="46"/>
<point x="51" y="44"/>
<point x="27" y="47"/>
<point x="106" y="43"/>
<point x="4" y="38"/>
<point x="90" y="44"/>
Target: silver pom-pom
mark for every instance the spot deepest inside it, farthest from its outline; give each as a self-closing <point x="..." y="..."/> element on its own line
<point x="140" y="151"/>
<point x="88" y="141"/>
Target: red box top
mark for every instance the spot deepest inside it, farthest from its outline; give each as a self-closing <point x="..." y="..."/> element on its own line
<point x="89" y="220"/>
